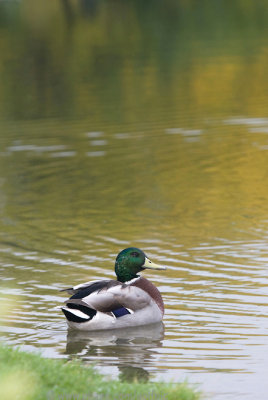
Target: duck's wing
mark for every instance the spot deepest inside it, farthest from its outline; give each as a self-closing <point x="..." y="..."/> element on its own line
<point x="107" y="296"/>
<point x="88" y="287"/>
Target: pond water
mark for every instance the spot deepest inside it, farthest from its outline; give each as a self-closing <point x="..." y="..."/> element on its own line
<point x="146" y="125"/>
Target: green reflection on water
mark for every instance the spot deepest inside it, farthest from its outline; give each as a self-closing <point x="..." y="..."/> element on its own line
<point x="133" y="64"/>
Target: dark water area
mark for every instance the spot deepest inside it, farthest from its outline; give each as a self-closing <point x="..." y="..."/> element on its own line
<point x="145" y="124"/>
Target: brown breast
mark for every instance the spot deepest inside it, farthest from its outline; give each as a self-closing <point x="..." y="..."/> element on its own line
<point x="148" y="287"/>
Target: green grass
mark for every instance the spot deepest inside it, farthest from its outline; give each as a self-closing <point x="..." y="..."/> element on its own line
<point x="27" y="376"/>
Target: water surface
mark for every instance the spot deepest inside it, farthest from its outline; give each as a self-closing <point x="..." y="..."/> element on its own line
<point x="137" y="125"/>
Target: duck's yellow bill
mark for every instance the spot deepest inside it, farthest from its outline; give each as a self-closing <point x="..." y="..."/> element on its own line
<point x="150" y="265"/>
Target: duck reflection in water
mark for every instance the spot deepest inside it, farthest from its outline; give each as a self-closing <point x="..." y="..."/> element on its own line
<point x="133" y="374"/>
<point x="131" y="349"/>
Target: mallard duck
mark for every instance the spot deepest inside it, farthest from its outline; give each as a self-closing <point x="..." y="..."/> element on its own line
<point x="131" y="300"/>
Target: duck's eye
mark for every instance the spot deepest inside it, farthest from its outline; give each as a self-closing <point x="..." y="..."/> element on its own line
<point x="134" y="254"/>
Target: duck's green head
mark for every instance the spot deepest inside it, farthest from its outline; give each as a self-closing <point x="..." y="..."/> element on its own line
<point x="131" y="261"/>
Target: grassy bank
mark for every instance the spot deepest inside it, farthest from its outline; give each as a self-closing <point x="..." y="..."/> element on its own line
<point x="25" y="376"/>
